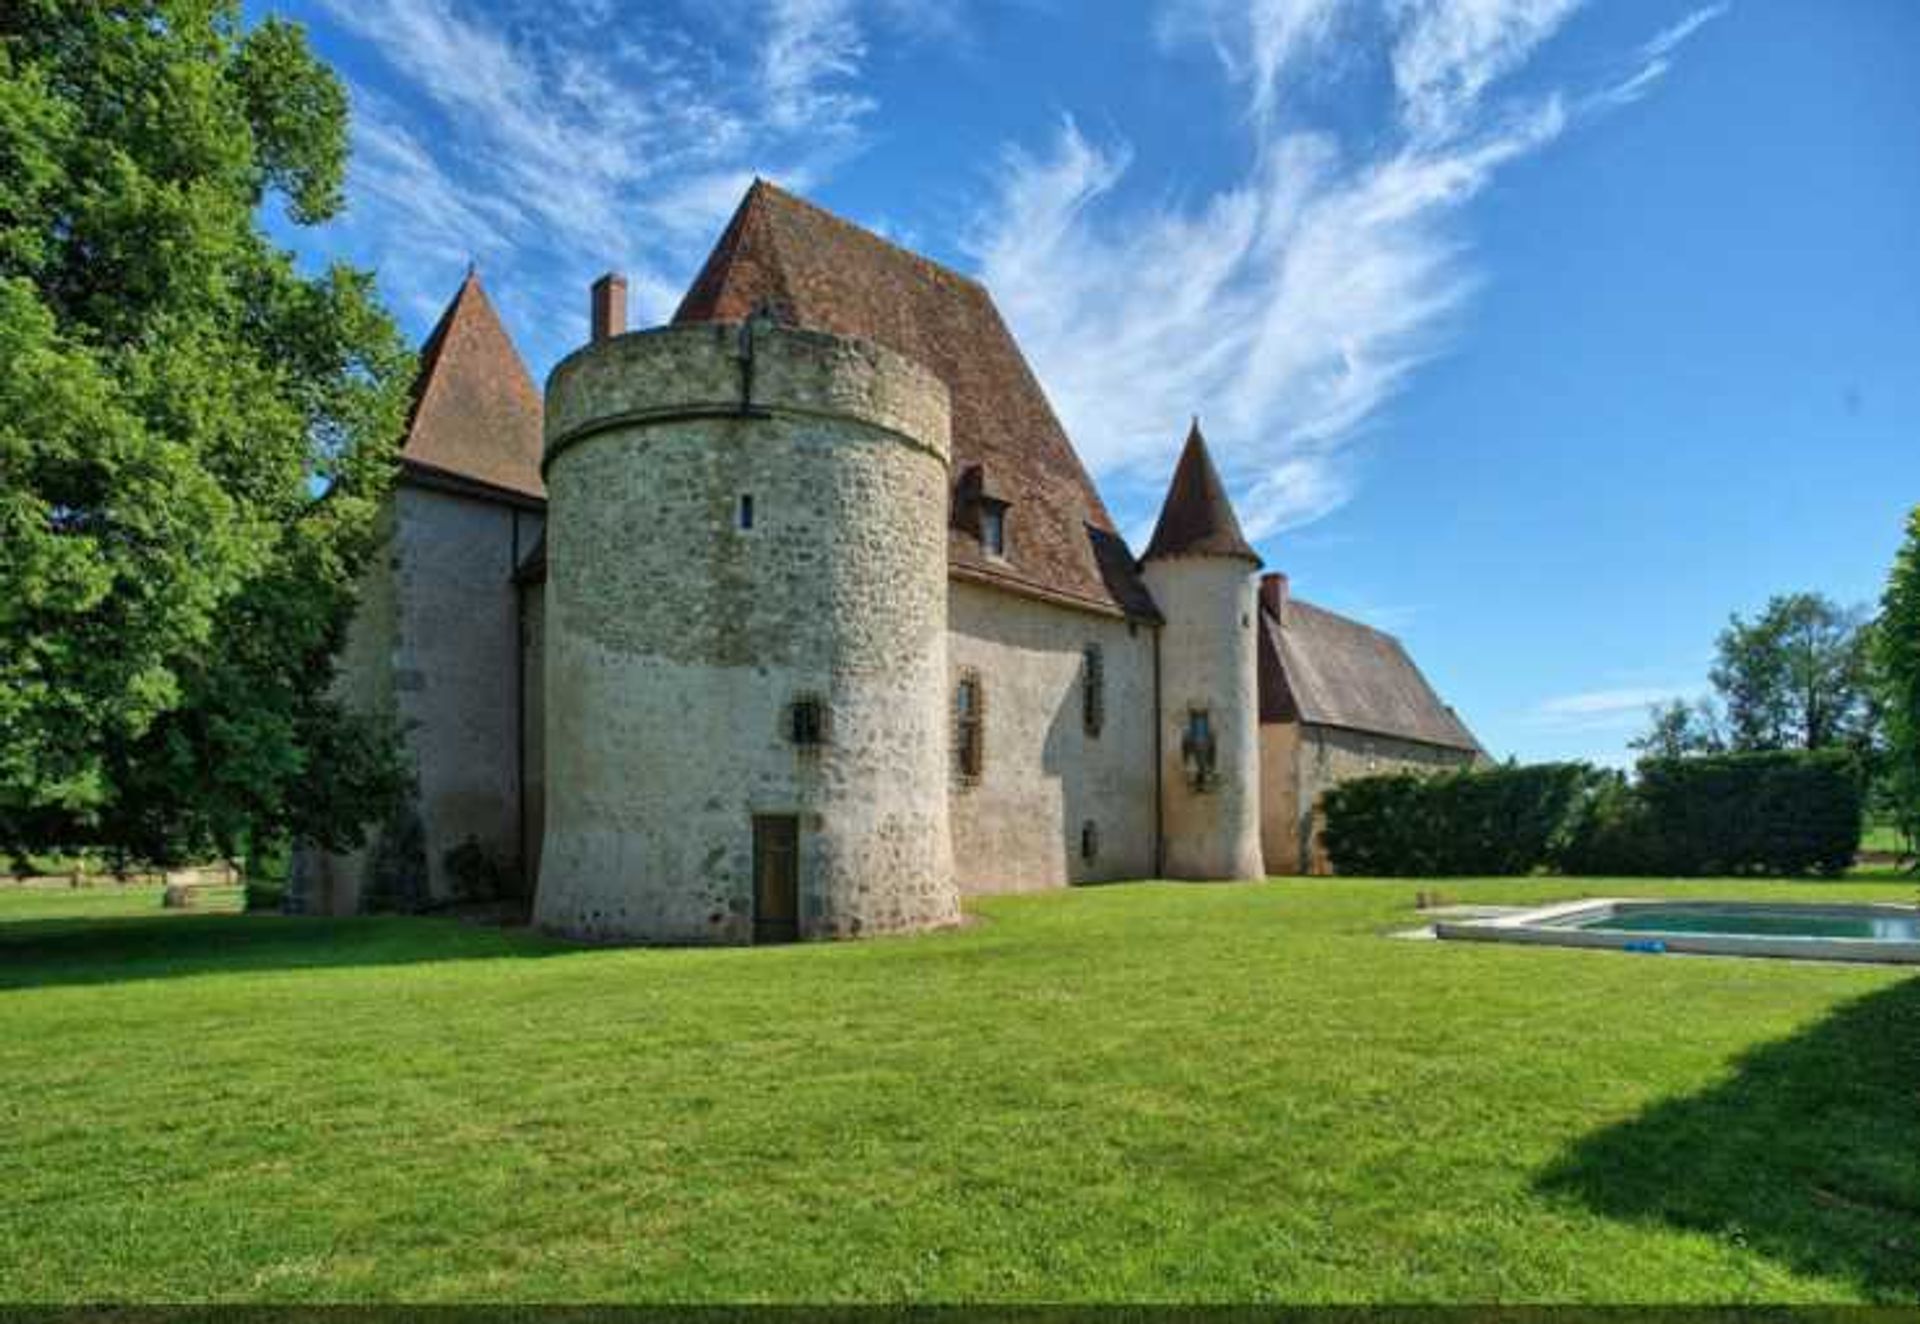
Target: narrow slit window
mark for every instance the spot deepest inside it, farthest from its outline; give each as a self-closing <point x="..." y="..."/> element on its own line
<point x="746" y="510"/>
<point x="1089" y="841"/>
<point x="1093" y="690"/>
<point x="968" y="730"/>
<point x="807" y="722"/>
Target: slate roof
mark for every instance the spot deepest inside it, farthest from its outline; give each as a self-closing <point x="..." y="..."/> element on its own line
<point x="1197" y="519"/>
<point x="1324" y="669"/>
<point x="475" y="419"/>
<point x="815" y="270"/>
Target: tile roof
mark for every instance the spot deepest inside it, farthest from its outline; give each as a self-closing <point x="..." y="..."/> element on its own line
<point x="1197" y="518"/>
<point x="811" y="268"/>
<point x="1324" y="669"/>
<point x="476" y="413"/>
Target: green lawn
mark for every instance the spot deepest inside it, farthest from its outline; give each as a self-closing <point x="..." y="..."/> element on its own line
<point x="1146" y="1092"/>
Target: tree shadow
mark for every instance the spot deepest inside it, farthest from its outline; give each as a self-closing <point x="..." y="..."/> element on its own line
<point x="1809" y="1154"/>
<point x="52" y="952"/>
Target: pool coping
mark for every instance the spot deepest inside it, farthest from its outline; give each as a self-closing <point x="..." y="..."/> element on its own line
<point x="1539" y="926"/>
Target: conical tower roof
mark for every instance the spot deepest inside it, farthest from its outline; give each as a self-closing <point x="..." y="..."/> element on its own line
<point x="476" y="413"/>
<point x="1197" y="519"/>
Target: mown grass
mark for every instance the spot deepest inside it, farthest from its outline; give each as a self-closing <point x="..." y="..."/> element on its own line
<point x="1145" y="1092"/>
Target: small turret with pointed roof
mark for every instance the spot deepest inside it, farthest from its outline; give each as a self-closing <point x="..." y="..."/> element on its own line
<point x="1197" y="519"/>
<point x="476" y="413"/>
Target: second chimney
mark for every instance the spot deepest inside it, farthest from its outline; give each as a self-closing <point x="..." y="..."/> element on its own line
<point x="1273" y="595"/>
<point x="609" y="306"/>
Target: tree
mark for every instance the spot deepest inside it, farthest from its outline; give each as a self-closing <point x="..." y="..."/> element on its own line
<point x="1896" y="659"/>
<point x="1678" y="729"/>
<point x="1796" y="677"/>
<point x="173" y="397"/>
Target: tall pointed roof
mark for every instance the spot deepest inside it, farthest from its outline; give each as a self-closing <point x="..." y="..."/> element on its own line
<point x="819" y="271"/>
<point x="476" y="412"/>
<point x="1197" y="519"/>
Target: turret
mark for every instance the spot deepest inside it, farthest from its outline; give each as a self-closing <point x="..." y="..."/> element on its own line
<point x="746" y="637"/>
<point x="1200" y="571"/>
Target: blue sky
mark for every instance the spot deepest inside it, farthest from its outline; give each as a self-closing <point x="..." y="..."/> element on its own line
<point x="1543" y="334"/>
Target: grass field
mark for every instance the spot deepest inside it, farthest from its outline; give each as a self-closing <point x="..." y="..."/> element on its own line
<point x="1146" y="1092"/>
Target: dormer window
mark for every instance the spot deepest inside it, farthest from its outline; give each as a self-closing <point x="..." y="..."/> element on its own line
<point x="981" y="509"/>
<point x="993" y="528"/>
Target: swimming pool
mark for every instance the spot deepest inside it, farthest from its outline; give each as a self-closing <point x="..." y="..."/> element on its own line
<point x="1718" y="928"/>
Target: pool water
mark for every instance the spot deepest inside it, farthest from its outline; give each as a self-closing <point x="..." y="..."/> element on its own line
<point x="1769" y="923"/>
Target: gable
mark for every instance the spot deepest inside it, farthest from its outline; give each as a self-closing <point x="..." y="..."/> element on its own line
<point x="1321" y="668"/>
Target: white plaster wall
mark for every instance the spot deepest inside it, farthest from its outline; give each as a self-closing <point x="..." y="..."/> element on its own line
<point x="1207" y="660"/>
<point x="1017" y="828"/>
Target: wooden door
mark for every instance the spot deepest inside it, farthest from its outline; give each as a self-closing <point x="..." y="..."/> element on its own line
<point x="776" y="878"/>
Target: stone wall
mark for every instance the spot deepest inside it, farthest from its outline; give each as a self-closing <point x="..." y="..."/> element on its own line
<point x="435" y="642"/>
<point x="1301" y="763"/>
<point x="678" y="640"/>
<point x="324" y="883"/>
<point x="533" y="726"/>
<point x="1019" y="825"/>
<point x="1211" y="827"/>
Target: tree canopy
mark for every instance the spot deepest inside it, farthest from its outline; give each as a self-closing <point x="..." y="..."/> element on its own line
<point x="194" y="436"/>
<point x="1897" y="675"/>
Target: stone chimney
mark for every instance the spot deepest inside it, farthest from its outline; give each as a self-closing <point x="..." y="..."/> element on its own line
<point x="609" y="306"/>
<point x="1273" y="595"/>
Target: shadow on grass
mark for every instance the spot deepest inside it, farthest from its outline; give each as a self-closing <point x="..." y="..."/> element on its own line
<point x="48" y="952"/>
<point x="1809" y="1154"/>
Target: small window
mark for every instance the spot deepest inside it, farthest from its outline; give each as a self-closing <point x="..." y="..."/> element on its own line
<point x="746" y="510"/>
<point x="807" y="722"/>
<point x="1089" y="841"/>
<point x="1197" y="750"/>
<point x="1093" y="690"/>
<point x="993" y="528"/>
<point x="968" y="729"/>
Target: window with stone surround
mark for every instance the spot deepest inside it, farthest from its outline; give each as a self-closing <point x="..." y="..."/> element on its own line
<point x="1093" y="690"/>
<point x="969" y="728"/>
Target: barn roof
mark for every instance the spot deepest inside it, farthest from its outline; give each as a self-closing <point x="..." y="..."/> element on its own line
<point x="475" y="418"/>
<point x="1197" y="519"/>
<point x="815" y="270"/>
<point x="1324" y="669"/>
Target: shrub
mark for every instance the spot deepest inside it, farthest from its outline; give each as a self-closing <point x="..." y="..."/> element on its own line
<point x="1783" y="812"/>
<point x="1508" y="820"/>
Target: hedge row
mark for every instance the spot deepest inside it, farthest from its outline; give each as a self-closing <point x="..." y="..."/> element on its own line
<point x="1785" y="813"/>
<point x="1506" y="820"/>
<point x="1774" y="813"/>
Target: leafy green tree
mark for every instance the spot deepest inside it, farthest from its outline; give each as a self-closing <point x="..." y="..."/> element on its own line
<point x="1678" y="729"/>
<point x="1796" y="677"/>
<point x="1896" y="657"/>
<point x="194" y="437"/>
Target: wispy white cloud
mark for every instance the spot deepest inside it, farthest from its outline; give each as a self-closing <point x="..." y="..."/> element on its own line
<point x="552" y="150"/>
<point x="1612" y="704"/>
<point x="1655" y="59"/>
<point x="1291" y="303"/>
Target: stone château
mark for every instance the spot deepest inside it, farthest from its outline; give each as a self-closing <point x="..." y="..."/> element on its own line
<point x="799" y="617"/>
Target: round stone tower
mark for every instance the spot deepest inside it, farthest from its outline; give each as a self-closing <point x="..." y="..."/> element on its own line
<point x="746" y="652"/>
<point x="1200" y="570"/>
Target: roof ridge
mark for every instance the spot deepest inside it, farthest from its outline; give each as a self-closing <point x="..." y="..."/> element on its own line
<point x="765" y="187"/>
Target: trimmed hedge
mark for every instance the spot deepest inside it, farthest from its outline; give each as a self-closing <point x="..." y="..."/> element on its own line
<point x="1785" y="813"/>
<point x="1507" y="820"/>
<point x="1781" y="813"/>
